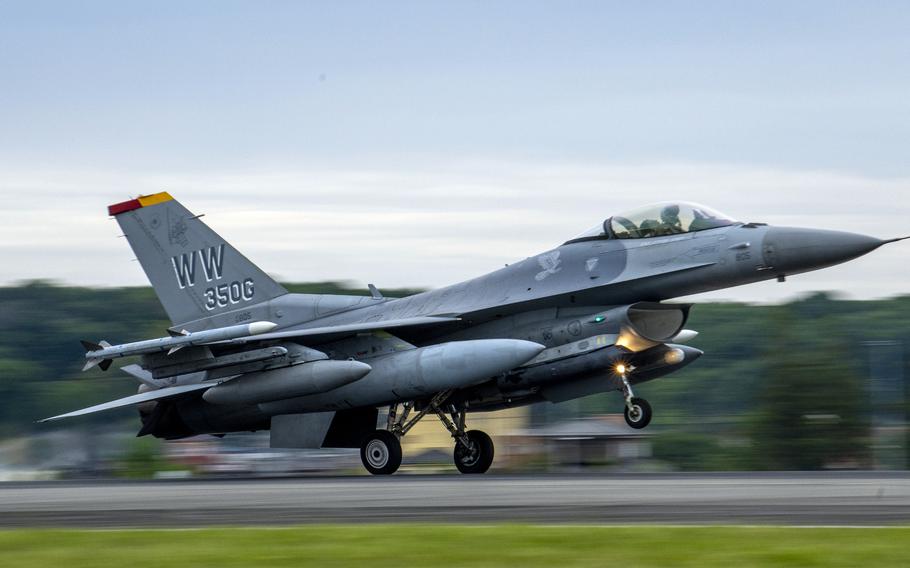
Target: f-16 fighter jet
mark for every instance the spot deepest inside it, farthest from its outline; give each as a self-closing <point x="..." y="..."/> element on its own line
<point x="586" y="317"/>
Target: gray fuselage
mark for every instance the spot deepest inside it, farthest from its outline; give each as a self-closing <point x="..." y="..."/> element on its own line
<point x="543" y="298"/>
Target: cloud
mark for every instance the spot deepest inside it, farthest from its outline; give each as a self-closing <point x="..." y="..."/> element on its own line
<point x="437" y="223"/>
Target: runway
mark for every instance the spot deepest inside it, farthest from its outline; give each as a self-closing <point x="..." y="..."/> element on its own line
<point x="748" y="498"/>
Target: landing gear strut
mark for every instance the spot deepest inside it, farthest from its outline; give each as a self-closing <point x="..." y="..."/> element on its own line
<point x="473" y="448"/>
<point x="381" y="450"/>
<point x="638" y="411"/>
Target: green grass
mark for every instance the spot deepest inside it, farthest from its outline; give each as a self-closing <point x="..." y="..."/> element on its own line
<point x="458" y="545"/>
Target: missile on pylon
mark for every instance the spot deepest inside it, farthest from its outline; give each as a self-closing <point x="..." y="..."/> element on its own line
<point x="102" y="353"/>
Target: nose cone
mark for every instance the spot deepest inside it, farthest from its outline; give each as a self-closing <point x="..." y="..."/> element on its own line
<point x="789" y="250"/>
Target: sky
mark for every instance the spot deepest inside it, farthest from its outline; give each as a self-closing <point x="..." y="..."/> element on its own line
<point x="424" y="143"/>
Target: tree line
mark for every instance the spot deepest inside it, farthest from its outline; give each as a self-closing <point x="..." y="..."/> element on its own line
<point x="779" y="387"/>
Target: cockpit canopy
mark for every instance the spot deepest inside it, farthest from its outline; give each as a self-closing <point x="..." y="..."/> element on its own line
<point x="658" y="220"/>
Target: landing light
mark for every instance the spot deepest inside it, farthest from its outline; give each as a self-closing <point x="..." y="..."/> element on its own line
<point x="674" y="356"/>
<point x="620" y="369"/>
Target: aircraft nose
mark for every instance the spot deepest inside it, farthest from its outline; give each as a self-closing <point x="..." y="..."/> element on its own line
<point x="791" y="250"/>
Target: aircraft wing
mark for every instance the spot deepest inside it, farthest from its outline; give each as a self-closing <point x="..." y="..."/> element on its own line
<point x="136" y="399"/>
<point x="327" y="333"/>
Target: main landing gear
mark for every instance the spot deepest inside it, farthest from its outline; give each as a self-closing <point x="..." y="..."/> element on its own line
<point x="638" y="411"/>
<point x="381" y="449"/>
<point x="381" y="453"/>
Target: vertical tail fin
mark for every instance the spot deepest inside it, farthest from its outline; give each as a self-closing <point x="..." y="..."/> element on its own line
<point x="194" y="272"/>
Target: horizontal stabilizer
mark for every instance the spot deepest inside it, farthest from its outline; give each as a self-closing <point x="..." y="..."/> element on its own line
<point x="136" y="399"/>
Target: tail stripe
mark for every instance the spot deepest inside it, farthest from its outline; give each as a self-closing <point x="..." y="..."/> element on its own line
<point x="139" y="202"/>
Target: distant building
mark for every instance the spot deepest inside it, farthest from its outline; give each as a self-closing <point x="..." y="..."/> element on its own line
<point x="430" y="442"/>
<point x="604" y="441"/>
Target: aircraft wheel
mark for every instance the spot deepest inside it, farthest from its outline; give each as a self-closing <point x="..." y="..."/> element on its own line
<point x="638" y="415"/>
<point x="380" y="453"/>
<point x="478" y="457"/>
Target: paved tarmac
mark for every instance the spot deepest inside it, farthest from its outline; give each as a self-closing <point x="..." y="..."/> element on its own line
<point x="748" y="498"/>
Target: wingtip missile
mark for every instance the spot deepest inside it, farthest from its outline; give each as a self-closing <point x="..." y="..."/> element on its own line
<point x="97" y="354"/>
<point x="90" y="362"/>
<point x="101" y="363"/>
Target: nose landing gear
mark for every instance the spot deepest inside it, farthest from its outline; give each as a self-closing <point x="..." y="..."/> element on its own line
<point x="638" y="411"/>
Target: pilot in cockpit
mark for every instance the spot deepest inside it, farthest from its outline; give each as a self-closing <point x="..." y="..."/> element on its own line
<point x="660" y="219"/>
<point x="670" y="222"/>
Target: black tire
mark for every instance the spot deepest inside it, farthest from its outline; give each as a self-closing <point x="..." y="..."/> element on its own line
<point x="380" y="453"/>
<point x="479" y="457"/>
<point x="641" y="415"/>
